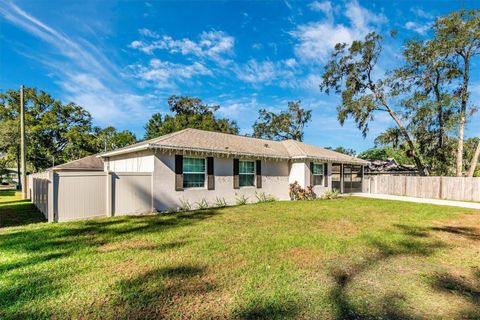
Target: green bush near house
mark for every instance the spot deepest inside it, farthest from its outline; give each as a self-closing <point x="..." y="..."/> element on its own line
<point x="348" y="258"/>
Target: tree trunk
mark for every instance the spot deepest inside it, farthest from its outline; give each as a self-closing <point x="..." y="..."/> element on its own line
<point x="441" y="119"/>
<point x="421" y="169"/>
<point x="461" y="127"/>
<point x="473" y="164"/>
<point x="463" y="111"/>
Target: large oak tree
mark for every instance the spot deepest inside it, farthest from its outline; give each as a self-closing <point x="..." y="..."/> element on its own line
<point x="188" y="112"/>
<point x="350" y="73"/>
<point x="282" y="125"/>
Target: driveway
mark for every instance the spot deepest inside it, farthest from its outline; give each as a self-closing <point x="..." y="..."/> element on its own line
<point x="462" y="204"/>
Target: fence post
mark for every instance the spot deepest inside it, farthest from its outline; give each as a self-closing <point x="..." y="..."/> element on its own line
<point x="109" y="195"/>
<point x="51" y="196"/>
<point x="440" y="192"/>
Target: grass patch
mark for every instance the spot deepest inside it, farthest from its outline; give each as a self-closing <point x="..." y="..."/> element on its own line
<point x="17" y="212"/>
<point x="348" y="258"/>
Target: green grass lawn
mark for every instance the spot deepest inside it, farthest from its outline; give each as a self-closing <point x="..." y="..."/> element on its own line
<point x="349" y="258"/>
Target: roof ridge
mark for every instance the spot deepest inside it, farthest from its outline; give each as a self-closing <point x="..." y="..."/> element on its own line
<point x="168" y="135"/>
<point x="295" y="144"/>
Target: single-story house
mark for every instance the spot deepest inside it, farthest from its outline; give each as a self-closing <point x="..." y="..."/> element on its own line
<point x="9" y="175"/>
<point x="194" y="165"/>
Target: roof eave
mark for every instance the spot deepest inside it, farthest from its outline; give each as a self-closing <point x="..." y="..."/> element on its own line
<point x="331" y="159"/>
<point x="226" y="153"/>
<point x="124" y="151"/>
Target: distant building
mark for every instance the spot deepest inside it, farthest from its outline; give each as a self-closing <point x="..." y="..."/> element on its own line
<point x="10" y="175"/>
<point x="389" y="167"/>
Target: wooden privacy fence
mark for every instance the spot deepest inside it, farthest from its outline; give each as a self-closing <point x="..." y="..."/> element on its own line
<point x="450" y="188"/>
<point x="64" y="196"/>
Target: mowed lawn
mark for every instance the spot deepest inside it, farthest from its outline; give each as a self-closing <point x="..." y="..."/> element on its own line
<point x="349" y="258"/>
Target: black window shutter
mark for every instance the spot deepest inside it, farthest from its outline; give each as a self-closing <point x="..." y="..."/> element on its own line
<point x="311" y="174"/>
<point x="325" y="174"/>
<point x="258" y="168"/>
<point x="210" y="174"/>
<point x="236" y="178"/>
<point x="178" y="172"/>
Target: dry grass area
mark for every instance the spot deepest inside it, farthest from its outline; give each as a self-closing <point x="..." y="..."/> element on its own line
<point x="349" y="258"/>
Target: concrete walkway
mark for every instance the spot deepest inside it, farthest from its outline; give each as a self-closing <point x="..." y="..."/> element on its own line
<point x="462" y="204"/>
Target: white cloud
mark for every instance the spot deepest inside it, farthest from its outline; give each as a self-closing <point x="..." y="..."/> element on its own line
<point x="87" y="76"/>
<point x="166" y="75"/>
<point x="325" y="7"/>
<point x="214" y="45"/>
<point x="256" y="72"/>
<point x="106" y="105"/>
<point x="317" y="39"/>
<point x="74" y="50"/>
<point x="417" y="27"/>
<point x="257" y="46"/>
<point x="148" y="33"/>
<point x="291" y="62"/>
<point x="309" y="82"/>
<point x="238" y="107"/>
<point x="361" y="18"/>
<point x="265" y="72"/>
<point x="421" y="13"/>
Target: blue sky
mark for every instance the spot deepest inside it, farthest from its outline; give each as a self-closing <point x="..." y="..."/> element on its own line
<point x="122" y="60"/>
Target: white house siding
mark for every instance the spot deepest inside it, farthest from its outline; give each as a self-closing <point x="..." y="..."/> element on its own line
<point x="319" y="190"/>
<point x="300" y="172"/>
<point x="275" y="177"/>
<point x="142" y="161"/>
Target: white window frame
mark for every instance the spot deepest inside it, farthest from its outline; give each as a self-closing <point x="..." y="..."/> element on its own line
<point x="204" y="173"/>
<point x="322" y="174"/>
<point x="248" y="174"/>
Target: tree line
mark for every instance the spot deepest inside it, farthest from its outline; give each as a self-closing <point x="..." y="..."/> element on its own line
<point x="427" y="96"/>
<point x="57" y="133"/>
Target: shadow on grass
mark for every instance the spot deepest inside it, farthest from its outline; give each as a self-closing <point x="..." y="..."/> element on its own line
<point x="12" y="201"/>
<point x="466" y="232"/>
<point x="458" y="285"/>
<point x="94" y="233"/>
<point x="31" y="247"/>
<point x="467" y="289"/>
<point x="160" y="292"/>
<point x="23" y="289"/>
<point x="413" y="243"/>
<point x="19" y="213"/>
<point x="259" y="310"/>
<point x="7" y="193"/>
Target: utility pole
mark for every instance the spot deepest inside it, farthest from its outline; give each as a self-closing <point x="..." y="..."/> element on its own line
<point x="23" y="183"/>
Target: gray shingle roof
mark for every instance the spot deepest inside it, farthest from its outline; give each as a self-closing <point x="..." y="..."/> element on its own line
<point x="87" y="163"/>
<point x="195" y="140"/>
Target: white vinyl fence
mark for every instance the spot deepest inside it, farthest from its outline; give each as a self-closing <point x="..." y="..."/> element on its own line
<point x="449" y="188"/>
<point x="65" y="196"/>
<point x="38" y="185"/>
